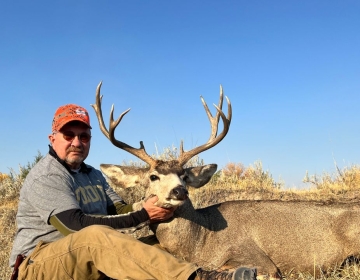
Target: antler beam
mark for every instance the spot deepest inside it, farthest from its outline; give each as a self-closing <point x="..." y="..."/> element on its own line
<point x="140" y="153"/>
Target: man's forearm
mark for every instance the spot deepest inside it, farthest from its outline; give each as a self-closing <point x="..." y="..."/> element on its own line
<point x="74" y="220"/>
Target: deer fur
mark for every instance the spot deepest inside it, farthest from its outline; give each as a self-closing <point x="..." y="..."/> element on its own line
<point x="273" y="236"/>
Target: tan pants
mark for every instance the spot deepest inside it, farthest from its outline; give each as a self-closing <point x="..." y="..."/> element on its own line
<point x="96" y="251"/>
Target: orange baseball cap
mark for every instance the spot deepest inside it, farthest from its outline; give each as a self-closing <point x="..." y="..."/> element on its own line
<point x="68" y="113"/>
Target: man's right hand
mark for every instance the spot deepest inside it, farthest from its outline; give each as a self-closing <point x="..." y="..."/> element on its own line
<point x="156" y="213"/>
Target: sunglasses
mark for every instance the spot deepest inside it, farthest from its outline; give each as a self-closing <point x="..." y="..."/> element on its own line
<point x="70" y="136"/>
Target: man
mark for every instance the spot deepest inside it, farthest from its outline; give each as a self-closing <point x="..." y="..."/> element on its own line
<point x="69" y="219"/>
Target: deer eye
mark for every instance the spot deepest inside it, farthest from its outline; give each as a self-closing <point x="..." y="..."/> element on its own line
<point x="154" y="177"/>
<point x="184" y="178"/>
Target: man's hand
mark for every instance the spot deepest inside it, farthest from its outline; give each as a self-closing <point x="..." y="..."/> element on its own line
<point x="156" y="213"/>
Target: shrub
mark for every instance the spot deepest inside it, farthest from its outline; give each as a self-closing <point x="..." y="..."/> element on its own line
<point x="345" y="180"/>
<point x="234" y="170"/>
<point x="250" y="177"/>
<point x="3" y="176"/>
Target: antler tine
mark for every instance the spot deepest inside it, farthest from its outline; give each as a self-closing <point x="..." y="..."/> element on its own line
<point x="98" y="111"/>
<point x="214" y="122"/>
<point x="140" y="153"/>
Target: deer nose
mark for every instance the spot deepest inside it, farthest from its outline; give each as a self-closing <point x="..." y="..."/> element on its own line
<point x="179" y="193"/>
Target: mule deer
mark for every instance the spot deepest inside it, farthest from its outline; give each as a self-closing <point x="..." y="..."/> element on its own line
<point x="273" y="236"/>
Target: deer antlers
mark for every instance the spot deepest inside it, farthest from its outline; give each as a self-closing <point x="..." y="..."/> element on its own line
<point x="184" y="157"/>
<point x="214" y="122"/>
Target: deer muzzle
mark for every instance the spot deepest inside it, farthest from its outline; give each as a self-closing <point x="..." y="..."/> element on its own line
<point x="179" y="193"/>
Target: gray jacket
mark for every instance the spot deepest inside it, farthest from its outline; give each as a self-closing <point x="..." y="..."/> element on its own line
<point x="49" y="189"/>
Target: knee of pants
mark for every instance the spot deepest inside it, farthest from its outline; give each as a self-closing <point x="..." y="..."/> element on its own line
<point x="95" y="231"/>
<point x="103" y="235"/>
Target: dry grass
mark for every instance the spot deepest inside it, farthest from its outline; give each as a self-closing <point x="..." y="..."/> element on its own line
<point x="9" y="194"/>
<point x="233" y="183"/>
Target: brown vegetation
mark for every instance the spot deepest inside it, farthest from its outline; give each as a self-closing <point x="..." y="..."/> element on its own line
<point x="234" y="182"/>
<point x="9" y="193"/>
<point x="3" y="176"/>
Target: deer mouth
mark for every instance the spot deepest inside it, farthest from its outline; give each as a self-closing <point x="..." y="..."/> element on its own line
<point x="172" y="203"/>
<point x="176" y="197"/>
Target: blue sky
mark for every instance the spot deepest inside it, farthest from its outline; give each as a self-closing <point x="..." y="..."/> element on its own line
<point x="290" y="68"/>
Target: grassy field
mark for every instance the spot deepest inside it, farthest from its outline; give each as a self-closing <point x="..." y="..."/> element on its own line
<point x="235" y="182"/>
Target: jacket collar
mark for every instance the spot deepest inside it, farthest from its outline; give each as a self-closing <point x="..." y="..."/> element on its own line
<point x="83" y="167"/>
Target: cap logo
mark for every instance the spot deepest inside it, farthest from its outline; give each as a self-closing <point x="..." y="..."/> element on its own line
<point x="80" y="112"/>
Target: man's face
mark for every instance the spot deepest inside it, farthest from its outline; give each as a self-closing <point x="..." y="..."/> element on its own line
<point x="74" y="151"/>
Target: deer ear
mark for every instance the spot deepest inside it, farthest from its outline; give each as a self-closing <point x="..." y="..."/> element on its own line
<point x="200" y="175"/>
<point x="123" y="176"/>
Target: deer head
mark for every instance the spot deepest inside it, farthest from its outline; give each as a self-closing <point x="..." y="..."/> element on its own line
<point x="166" y="179"/>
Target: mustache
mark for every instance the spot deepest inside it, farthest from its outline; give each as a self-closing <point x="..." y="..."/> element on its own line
<point x="74" y="149"/>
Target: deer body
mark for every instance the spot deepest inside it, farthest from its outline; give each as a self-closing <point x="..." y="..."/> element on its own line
<point x="270" y="235"/>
